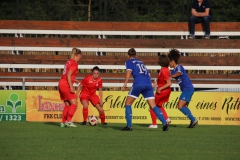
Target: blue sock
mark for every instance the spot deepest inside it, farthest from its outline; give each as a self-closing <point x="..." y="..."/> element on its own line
<point x="188" y="113"/>
<point x="159" y="114"/>
<point x="128" y="114"/>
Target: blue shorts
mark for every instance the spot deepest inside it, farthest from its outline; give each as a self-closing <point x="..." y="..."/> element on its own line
<point x="186" y="95"/>
<point x="146" y="91"/>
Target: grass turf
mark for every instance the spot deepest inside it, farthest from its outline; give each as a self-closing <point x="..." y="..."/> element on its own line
<point x="28" y="140"/>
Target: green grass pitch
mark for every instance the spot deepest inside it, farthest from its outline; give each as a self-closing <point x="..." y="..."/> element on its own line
<point x="43" y="141"/>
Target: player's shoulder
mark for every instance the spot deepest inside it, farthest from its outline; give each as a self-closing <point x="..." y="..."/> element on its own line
<point x="133" y="60"/>
<point x="138" y="60"/>
<point x="89" y="76"/>
<point x="165" y="69"/>
<point x="68" y="61"/>
<point x="180" y="66"/>
<point x="99" y="79"/>
<point x="72" y="62"/>
<point x="129" y="61"/>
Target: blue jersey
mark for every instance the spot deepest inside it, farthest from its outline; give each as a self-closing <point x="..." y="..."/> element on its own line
<point x="139" y="72"/>
<point x="183" y="80"/>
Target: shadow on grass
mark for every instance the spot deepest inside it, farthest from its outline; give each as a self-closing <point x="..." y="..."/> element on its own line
<point x="52" y="123"/>
<point x="160" y="125"/>
<point x="142" y="125"/>
<point x="117" y="127"/>
<point x="111" y="126"/>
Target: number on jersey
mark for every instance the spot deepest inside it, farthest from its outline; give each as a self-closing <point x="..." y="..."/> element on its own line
<point x="142" y="68"/>
<point x="65" y="67"/>
<point x="64" y="70"/>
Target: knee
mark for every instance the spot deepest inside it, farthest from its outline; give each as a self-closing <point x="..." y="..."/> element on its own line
<point x="179" y="107"/>
<point x="85" y="106"/>
<point x="206" y="19"/>
<point x="101" y="111"/>
<point x="192" y="19"/>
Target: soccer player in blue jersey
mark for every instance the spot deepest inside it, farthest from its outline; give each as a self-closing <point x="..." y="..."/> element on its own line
<point x="185" y="84"/>
<point x="141" y="85"/>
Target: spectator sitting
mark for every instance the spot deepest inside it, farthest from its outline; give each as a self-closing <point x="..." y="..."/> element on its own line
<point x="201" y="12"/>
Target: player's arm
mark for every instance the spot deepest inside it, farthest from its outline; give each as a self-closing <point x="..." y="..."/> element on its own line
<point x="168" y="84"/>
<point x="177" y="74"/>
<point x="69" y="80"/>
<point x="100" y="92"/>
<point x="77" y="81"/>
<point x="79" y="89"/>
<point x="127" y="76"/>
<point x="154" y="84"/>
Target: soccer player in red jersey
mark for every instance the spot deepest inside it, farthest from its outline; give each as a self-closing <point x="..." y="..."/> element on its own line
<point x="163" y="90"/>
<point x="88" y="87"/>
<point x="66" y="89"/>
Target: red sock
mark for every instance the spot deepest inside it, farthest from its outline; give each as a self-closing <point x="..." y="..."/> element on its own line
<point x="85" y="114"/>
<point x="71" y="112"/>
<point x="153" y="116"/>
<point x="102" y="117"/>
<point x="64" y="114"/>
<point x="164" y="113"/>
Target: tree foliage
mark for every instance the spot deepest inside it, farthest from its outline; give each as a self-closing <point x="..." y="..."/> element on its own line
<point x="114" y="10"/>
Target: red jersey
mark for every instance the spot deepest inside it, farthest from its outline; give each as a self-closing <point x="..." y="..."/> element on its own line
<point x="90" y="85"/>
<point x="163" y="75"/>
<point x="70" y="65"/>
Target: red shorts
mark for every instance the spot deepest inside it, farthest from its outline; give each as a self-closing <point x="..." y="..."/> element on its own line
<point x="94" y="99"/>
<point x="65" y="93"/>
<point x="162" y="97"/>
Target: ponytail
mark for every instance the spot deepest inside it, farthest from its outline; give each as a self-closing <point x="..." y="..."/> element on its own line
<point x="74" y="52"/>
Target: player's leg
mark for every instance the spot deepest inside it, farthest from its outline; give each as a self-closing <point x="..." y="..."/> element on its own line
<point x="94" y="99"/>
<point x="64" y="113"/>
<point x="85" y="103"/>
<point x="64" y="92"/>
<point x="128" y="113"/>
<point x="153" y="115"/>
<point x="184" y="99"/>
<point x="149" y="96"/>
<point x="101" y="114"/>
<point x="163" y="97"/>
<point x="132" y="95"/>
<point x="154" y="119"/>
<point x="159" y="114"/>
<point x="71" y="112"/>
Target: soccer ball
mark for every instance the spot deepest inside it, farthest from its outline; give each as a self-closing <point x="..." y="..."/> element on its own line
<point x="93" y="120"/>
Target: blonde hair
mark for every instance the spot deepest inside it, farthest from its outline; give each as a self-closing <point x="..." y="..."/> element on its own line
<point x="74" y="52"/>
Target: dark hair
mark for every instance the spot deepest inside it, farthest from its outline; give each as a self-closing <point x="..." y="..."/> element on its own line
<point x="95" y="68"/>
<point x="174" y="55"/>
<point x="132" y="52"/>
<point x="163" y="60"/>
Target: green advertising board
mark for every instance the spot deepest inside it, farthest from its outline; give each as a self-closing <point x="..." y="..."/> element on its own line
<point x="12" y="105"/>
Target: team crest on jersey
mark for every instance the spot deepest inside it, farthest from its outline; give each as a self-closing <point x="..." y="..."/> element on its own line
<point x="96" y="84"/>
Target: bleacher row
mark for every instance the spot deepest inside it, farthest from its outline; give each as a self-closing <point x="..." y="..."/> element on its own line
<point x="208" y="62"/>
<point x="50" y="71"/>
